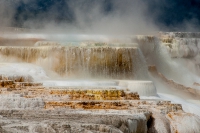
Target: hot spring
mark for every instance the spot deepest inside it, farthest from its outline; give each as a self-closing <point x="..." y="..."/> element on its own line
<point x="97" y="72"/>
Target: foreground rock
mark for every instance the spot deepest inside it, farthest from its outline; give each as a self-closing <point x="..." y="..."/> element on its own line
<point x="31" y="107"/>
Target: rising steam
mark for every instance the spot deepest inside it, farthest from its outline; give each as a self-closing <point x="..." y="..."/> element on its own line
<point x="86" y="16"/>
<point x="99" y="17"/>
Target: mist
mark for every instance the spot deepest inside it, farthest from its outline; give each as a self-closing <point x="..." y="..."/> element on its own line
<point x="101" y="17"/>
<point x="81" y="16"/>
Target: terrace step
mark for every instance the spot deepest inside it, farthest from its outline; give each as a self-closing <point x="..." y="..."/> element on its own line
<point x="162" y="106"/>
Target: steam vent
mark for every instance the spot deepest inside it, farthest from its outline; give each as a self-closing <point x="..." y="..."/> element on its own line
<point x="93" y="84"/>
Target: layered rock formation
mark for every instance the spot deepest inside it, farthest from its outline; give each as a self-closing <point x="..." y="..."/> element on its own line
<point x="121" y="99"/>
<point x="71" y="109"/>
<point x="86" y="109"/>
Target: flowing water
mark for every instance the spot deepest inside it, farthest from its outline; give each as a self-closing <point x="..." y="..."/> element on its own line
<point x="81" y="62"/>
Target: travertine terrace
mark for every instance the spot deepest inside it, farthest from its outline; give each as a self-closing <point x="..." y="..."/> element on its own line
<point x="47" y="86"/>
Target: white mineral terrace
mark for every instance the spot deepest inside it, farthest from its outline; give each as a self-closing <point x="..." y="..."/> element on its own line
<point x="59" y="83"/>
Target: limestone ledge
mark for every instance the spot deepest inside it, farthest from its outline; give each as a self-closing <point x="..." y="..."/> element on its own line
<point x="33" y="92"/>
<point x="97" y="94"/>
<point x="19" y="78"/>
<point x="162" y="107"/>
<point x="14" y="85"/>
<point x="70" y="97"/>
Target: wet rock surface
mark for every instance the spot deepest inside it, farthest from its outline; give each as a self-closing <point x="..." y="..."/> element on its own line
<point x="28" y="106"/>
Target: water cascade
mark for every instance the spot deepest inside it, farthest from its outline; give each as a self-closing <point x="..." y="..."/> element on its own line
<point x="81" y="62"/>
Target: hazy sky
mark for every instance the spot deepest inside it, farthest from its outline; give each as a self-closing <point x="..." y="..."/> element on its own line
<point x="103" y="16"/>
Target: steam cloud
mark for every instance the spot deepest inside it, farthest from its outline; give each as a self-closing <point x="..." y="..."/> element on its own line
<point x="101" y="17"/>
